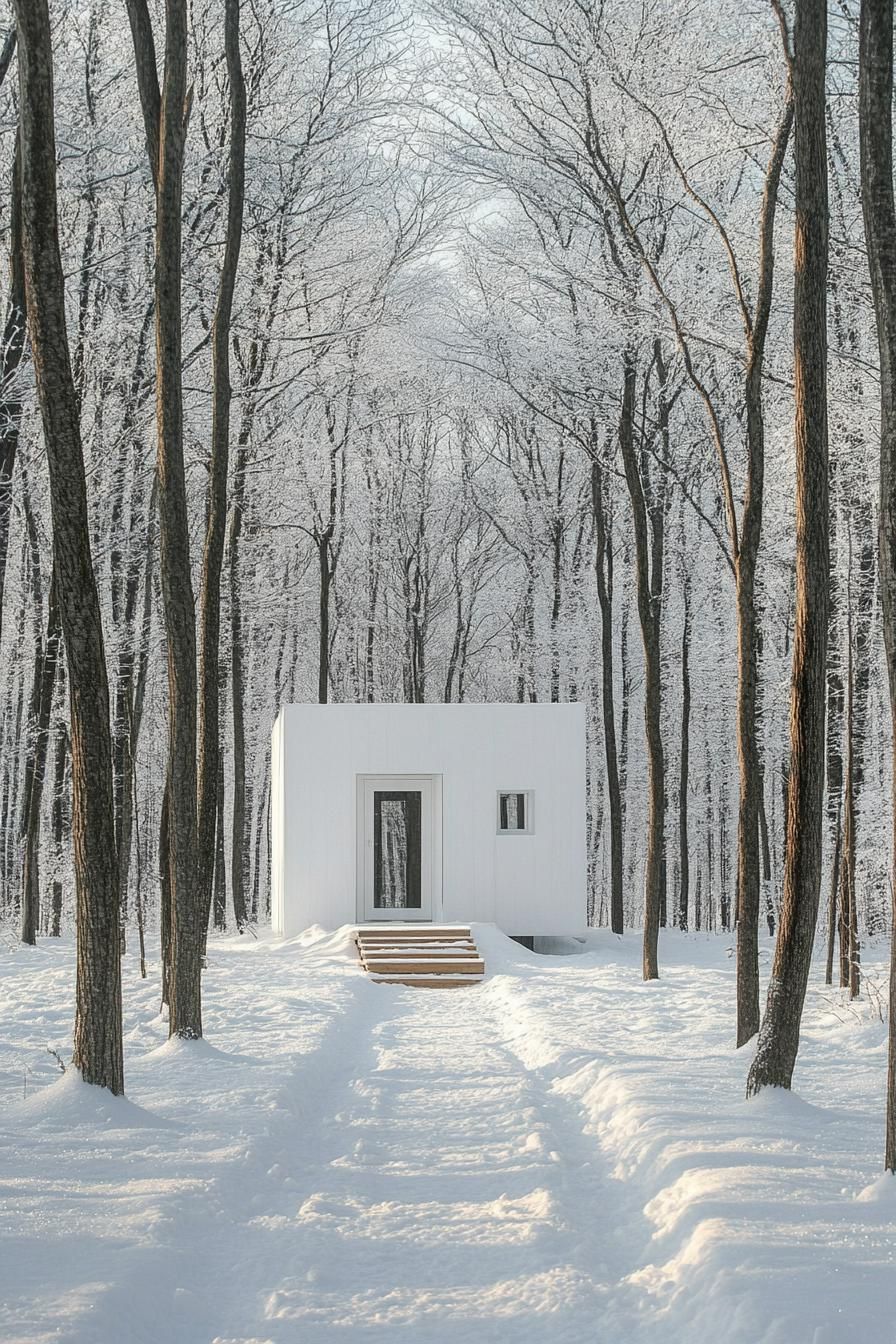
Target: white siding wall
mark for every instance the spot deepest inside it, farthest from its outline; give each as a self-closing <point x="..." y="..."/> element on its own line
<point x="526" y="884"/>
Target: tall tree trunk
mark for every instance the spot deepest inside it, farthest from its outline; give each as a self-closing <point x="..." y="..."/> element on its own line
<point x="58" y="814"/>
<point x="748" y="872"/>
<point x="556" y="605"/>
<point x="174" y="528"/>
<point x="850" y="963"/>
<point x="833" y="920"/>
<point x="238" y="864"/>
<point x="779" y="1035"/>
<point x="323" y="647"/>
<point x="216" y="522"/>
<point x="724" y="894"/>
<point x="10" y="362"/>
<point x="603" y="563"/>
<point x="130" y="698"/>
<point x="220" y="883"/>
<point x="165" y="917"/>
<point x="262" y="839"/>
<point x="42" y="704"/>
<point x="649" y="615"/>
<point x="684" y="861"/>
<point x="876" y="136"/>
<point x="771" y="913"/>
<point x="166" y="113"/>
<point x="97" y="1037"/>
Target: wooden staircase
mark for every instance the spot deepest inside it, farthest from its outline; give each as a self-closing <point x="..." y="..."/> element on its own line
<point x="427" y="956"/>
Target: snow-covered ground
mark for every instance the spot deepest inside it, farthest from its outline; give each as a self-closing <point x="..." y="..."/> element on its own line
<point x="560" y="1154"/>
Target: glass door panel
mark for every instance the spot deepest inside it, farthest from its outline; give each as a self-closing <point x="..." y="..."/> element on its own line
<point x="397" y="849"/>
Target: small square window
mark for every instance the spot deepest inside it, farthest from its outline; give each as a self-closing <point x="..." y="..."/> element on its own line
<point x="514" y="812"/>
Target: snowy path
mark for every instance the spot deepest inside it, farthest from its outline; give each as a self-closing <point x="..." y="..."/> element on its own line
<point x="448" y="1190"/>
<point x="561" y="1154"/>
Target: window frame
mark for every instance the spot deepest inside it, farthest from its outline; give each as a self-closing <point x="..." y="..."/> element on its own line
<point x="528" y="796"/>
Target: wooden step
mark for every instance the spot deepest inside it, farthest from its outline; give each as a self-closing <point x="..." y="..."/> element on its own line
<point x="438" y="939"/>
<point x="418" y="949"/>
<point x="414" y="935"/>
<point x="423" y="956"/>
<point x="422" y="966"/>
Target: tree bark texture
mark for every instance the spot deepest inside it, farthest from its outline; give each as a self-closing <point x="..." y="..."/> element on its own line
<point x="780" y="1032"/>
<point x="649" y="615"/>
<point x="216" y="522"/>
<point x="850" y="967"/>
<point x="749" y="880"/>
<point x="238" y="838"/>
<point x="97" y="1035"/>
<point x="876" y="140"/>
<point x="684" y="859"/>
<point x="12" y="356"/>
<point x="42" y="704"/>
<point x="166" y="112"/>
<point x="58" y="821"/>
<point x="603" y="561"/>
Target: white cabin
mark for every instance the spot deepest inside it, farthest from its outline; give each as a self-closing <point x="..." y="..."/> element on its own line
<point x="441" y="813"/>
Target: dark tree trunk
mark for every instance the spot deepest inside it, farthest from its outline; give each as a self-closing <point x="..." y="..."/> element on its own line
<point x="58" y="816"/>
<point x="238" y="863"/>
<point x="323" y="648"/>
<point x="165" y="920"/>
<point x="850" y="973"/>
<point x="262" y="845"/>
<point x="42" y="704"/>
<point x="779" y="1035"/>
<point x="130" y="698"/>
<point x="724" y="894"/>
<point x="220" y="885"/>
<point x="748" y="871"/>
<point x="216" y="522"/>
<point x="97" y="1037"/>
<point x="771" y="913"/>
<point x="833" y="918"/>
<point x="684" y="861"/>
<point x="185" y="997"/>
<point x="166" y="112"/>
<point x="876" y="135"/>
<point x="603" y="561"/>
<point x="60" y="811"/>
<point x="556" y="602"/>
<point x="12" y="356"/>
<point x="649" y="615"/>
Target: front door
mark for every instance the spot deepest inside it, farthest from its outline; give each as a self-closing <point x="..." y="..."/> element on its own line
<point x="397" y="861"/>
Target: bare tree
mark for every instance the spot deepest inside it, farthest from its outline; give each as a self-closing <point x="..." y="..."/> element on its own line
<point x="13" y="351"/>
<point x="98" y="1045"/>
<point x="876" y="132"/>
<point x="780" y="1031"/>
<point x="603" y="565"/>
<point x="649" y="606"/>
<point x="216" y="521"/>
<point x="166" y="114"/>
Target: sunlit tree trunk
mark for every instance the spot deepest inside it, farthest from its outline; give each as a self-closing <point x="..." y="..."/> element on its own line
<point x="97" y="1037"/>
<point x="876" y="134"/>
<point x="780" y="1032"/>
<point x="208" y="772"/>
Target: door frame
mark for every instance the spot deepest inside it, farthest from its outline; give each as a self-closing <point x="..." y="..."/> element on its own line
<point x="430" y="786"/>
